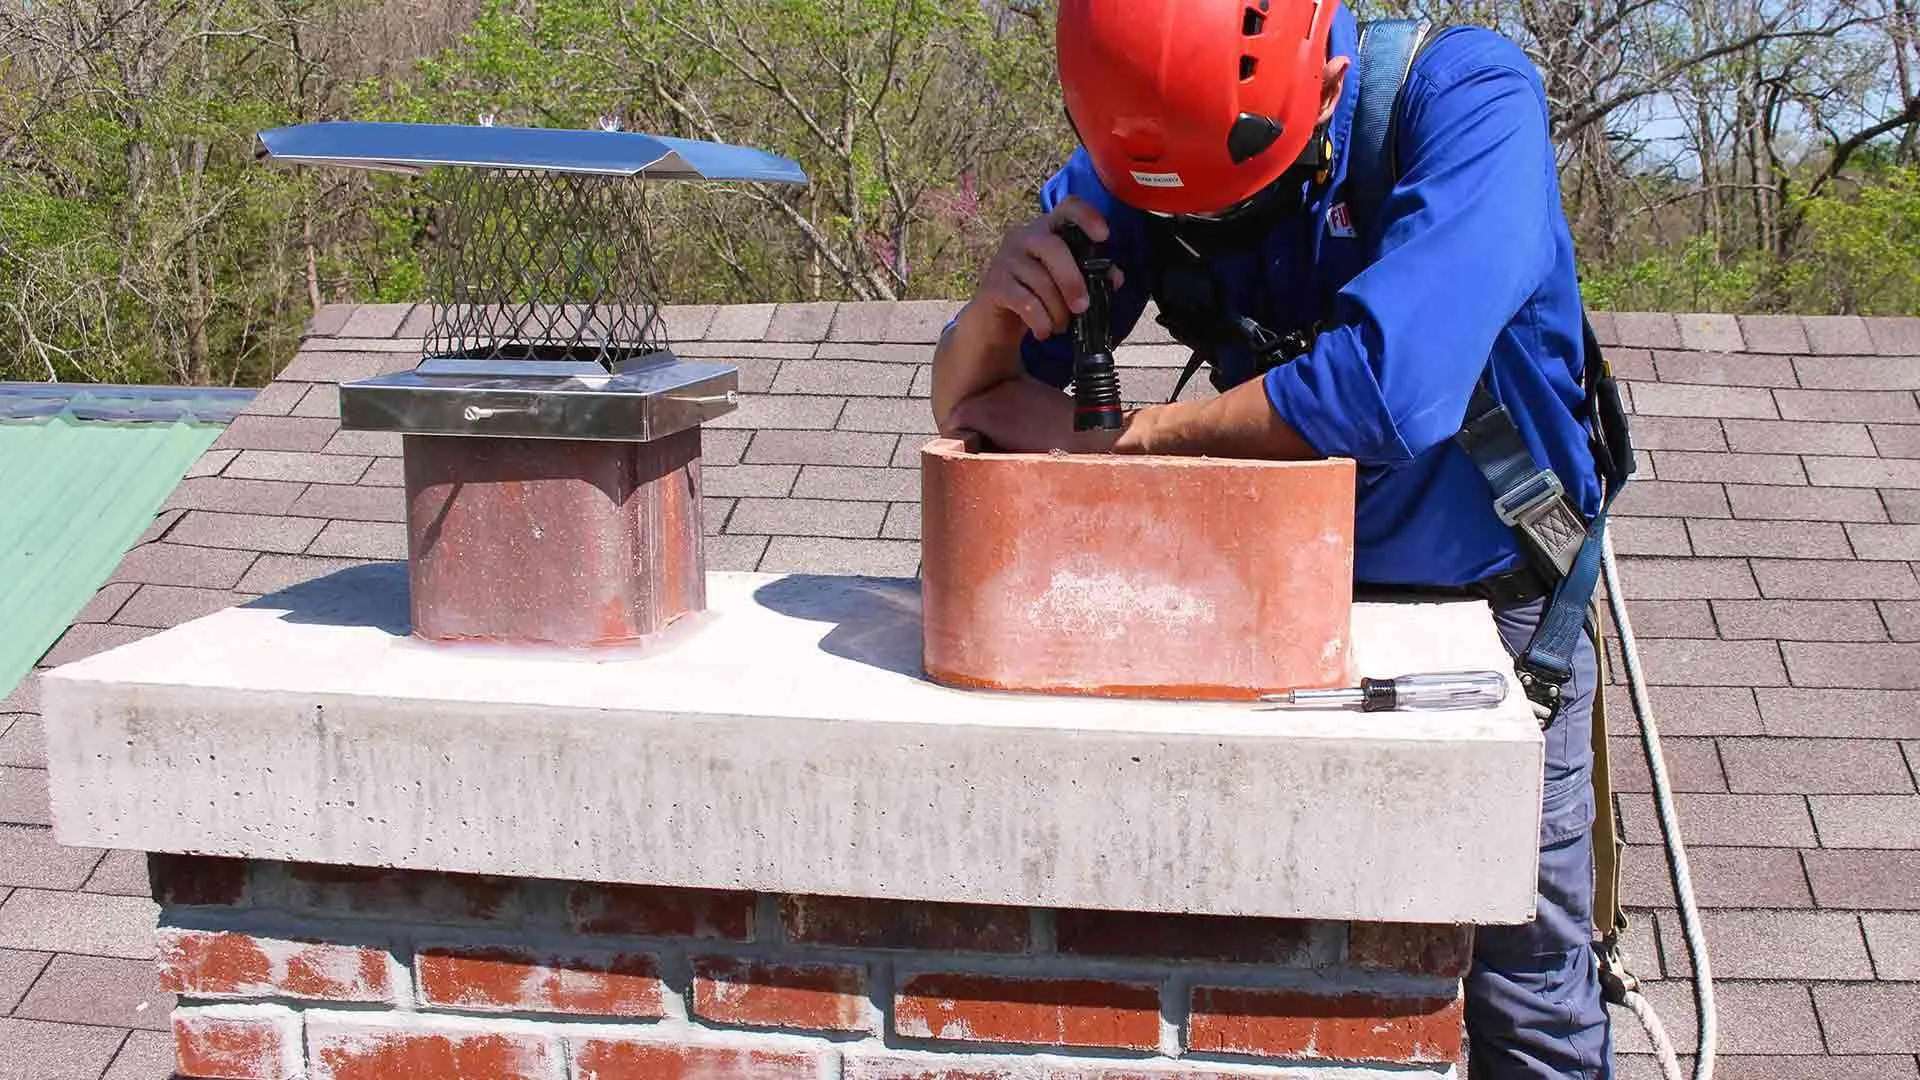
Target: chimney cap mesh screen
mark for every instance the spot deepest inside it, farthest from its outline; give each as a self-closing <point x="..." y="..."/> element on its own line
<point x="541" y="265"/>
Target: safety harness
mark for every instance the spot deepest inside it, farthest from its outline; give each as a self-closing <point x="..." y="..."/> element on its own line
<point x="1563" y="548"/>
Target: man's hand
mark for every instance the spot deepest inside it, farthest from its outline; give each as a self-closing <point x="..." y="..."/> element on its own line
<point x="1025" y="415"/>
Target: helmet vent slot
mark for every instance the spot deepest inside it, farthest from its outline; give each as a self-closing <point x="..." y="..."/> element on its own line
<point x="1248" y="65"/>
<point x="1252" y="23"/>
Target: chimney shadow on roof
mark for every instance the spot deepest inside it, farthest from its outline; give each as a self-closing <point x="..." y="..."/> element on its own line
<point x="373" y="595"/>
<point x="876" y="620"/>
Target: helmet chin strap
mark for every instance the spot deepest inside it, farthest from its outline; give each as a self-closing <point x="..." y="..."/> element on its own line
<point x="1246" y="223"/>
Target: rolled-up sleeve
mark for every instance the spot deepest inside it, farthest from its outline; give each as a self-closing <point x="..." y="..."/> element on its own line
<point x="1466" y="243"/>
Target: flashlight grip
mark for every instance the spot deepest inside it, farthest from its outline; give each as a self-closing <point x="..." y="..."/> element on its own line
<point x="1096" y="386"/>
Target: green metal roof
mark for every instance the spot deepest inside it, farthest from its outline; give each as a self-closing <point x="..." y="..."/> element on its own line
<point x="83" y="471"/>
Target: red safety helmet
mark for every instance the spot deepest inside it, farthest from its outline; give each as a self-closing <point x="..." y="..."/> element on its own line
<point x="1192" y="106"/>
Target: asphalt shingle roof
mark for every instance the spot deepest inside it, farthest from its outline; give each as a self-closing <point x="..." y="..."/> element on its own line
<point x="1769" y="554"/>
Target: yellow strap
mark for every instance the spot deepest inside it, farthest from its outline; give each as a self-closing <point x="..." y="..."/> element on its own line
<point x="1608" y="917"/>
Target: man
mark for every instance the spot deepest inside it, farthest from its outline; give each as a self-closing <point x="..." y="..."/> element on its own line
<point x="1226" y="124"/>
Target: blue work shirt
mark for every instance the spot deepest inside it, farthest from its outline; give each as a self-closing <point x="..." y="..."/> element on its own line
<point x="1474" y="271"/>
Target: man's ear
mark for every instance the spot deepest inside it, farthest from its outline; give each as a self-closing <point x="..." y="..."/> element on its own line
<point x="1331" y="81"/>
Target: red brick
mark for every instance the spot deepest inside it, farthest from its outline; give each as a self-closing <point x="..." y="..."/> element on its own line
<point x="1799" y="620"/>
<point x="1877" y="1018"/>
<point x="1859" y="665"/>
<point x="346" y="1047"/>
<point x="516" y="979"/>
<point x="903" y="924"/>
<point x="1805" y="504"/>
<point x="609" y="1059"/>
<point x="1410" y="947"/>
<point x="425" y="896"/>
<point x="756" y="993"/>
<point x="1039" y="1012"/>
<point x="237" y="1043"/>
<point x="1294" y="1024"/>
<point x="197" y="879"/>
<point x="202" y="963"/>
<point x="1285" y="942"/>
<point x="1867" y="880"/>
<point x="651" y="911"/>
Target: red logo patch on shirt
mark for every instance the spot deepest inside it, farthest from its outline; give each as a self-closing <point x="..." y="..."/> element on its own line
<point x="1340" y="220"/>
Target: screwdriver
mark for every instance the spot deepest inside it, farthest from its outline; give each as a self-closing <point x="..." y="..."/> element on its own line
<point x="1441" y="690"/>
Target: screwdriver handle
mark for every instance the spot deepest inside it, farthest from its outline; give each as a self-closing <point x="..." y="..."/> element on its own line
<point x="1442" y="690"/>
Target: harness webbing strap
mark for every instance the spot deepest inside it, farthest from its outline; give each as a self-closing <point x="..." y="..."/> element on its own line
<point x="1387" y="50"/>
<point x="1528" y="498"/>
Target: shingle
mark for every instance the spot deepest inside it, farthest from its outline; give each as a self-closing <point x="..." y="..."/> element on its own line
<point x="17" y="971"/>
<point x="1632" y="365"/>
<point x="903" y="522"/>
<point x="1896" y="440"/>
<point x="1658" y="498"/>
<point x="1685" y="579"/>
<point x="246" y="532"/>
<point x="861" y="320"/>
<point x="1858" y="373"/>
<point x="361" y="540"/>
<point x="820" y="448"/>
<point x="23" y="797"/>
<point x="418" y="322"/>
<point x="1723" y="877"/>
<point x="1708" y="662"/>
<point x="99" y="990"/>
<point x="850" y="377"/>
<point x="1835" y="579"/>
<point x="1856" y="665"/>
<point x="1693" y="764"/>
<point x="1723" y="820"/>
<point x="800" y="322"/>
<point x="31" y="858"/>
<point x="823" y="555"/>
<point x="1662" y="399"/>
<point x="1794" y="945"/>
<point x="86" y="639"/>
<point x="921" y="321"/>
<point x="807" y="517"/>
<point x="1687" y="466"/>
<point x="762" y="412"/>
<point x="755" y="362"/>
<point x="308" y="468"/>
<point x="740" y="322"/>
<point x="1805" y="504"/>
<point x="1753" y="1017"/>
<point x="276" y="399"/>
<point x="911" y="356"/>
<point x="121" y="873"/>
<point x="1902" y="618"/>
<point x="1785" y="540"/>
<point x="328" y="320"/>
<point x="1837" y="335"/>
<point x="1870" y="1018"/>
<point x="1815" y="766"/>
<point x="1892" y="542"/>
<point x="1647" y="330"/>
<point x="1774" y="334"/>
<point x="24" y="696"/>
<point x="384" y="472"/>
<point x="1867" y="821"/>
<point x="1897" y="335"/>
<point x="1863" y="714"/>
<point x="147" y="1055"/>
<point x="164" y="606"/>
<point x="162" y="524"/>
<point x="1796" y="437"/>
<point x="275" y="572"/>
<point x="321" y="400"/>
<point x="722" y="447"/>
<point x="1710" y="332"/>
<point x="25" y="742"/>
<point x="351" y="503"/>
<point x="738" y="554"/>
<point x="736" y="480"/>
<point x="1865" y="880"/>
<point x="375" y="320"/>
<point x="1723" y="369"/>
<point x="686" y="322"/>
<point x="37" y="1050"/>
<point x="1667" y="618"/>
<point x="1846" y="405"/>
<point x="276" y="433"/>
<point x="874" y="485"/>
<point x="1689" y="710"/>
<point x="922" y="382"/>
<point x="907" y="454"/>
<point x="1799" y="620"/>
<point x="364" y="443"/>
<point x="105" y="601"/>
<point x="226" y="493"/>
<point x="906" y="415"/>
<point x="333" y="366"/>
<point x="1893" y="940"/>
<point x="210" y="463"/>
<point x="714" y="513"/>
<point x="92" y="924"/>
<point x="1679" y="433"/>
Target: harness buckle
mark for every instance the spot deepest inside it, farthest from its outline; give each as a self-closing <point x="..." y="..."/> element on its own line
<point x="1542" y="688"/>
<point x="1530" y="499"/>
<point x="1539" y="509"/>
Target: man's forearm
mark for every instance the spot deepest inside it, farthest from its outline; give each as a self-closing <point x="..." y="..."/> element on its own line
<point x="1240" y="423"/>
<point x="969" y="360"/>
